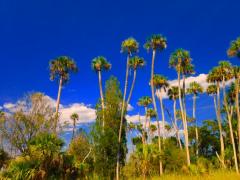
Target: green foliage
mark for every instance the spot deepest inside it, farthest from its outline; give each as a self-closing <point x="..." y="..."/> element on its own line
<point x="100" y="63"/>
<point x="105" y="140"/>
<point x="61" y="67"/>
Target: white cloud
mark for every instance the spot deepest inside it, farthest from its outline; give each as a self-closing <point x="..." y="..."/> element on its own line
<point x="201" y="79"/>
<point x="135" y="118"/>
<point x="86" y="114"/>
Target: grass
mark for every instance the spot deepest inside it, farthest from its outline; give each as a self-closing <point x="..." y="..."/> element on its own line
<point x="218" y="175"/>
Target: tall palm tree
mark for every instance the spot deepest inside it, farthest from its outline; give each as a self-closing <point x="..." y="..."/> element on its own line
<point x="156" y="43"/>
<point x="60" y="68"/>
<point x="195" y="89"/>
<point x="234" y="51"/>
<point x="74" y="117"/>
<point x="100" y="64"/>
<point x="161" y="84"/>
<point x="134" y="63"/>
<point x="129" y="46"/>
<point x="173" y="95"/>
<point x="145" y="101"/>
<point x="180" y="60"/>
<point x="226" y="73"/>
<point x="213" y="77"/>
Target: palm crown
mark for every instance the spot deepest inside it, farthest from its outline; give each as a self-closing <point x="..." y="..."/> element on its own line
<point x="61" y="67"/>
<point x="173" y="93"/>
<point x="160" y="81"/>
<point x="100" y="63"/>
<point x="74" y="116"/>
<point x="181" y="61"/>
<point x="136" y="62"/>
<point x="156" y="42"/>
<point x="129" y="46"/>
<point x="151" y="113"/>
<point x="212" y="89"/>
<point x="234" y="49"/>
<point x="144" y="101"/>
<point x="195" y="88"/>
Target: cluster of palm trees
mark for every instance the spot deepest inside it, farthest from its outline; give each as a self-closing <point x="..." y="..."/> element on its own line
<point x="181" y="61"/>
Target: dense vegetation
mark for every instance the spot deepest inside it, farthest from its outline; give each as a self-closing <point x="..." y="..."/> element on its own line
<point x="32" y="147"/>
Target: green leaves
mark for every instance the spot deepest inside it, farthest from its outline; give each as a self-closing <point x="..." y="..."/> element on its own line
<point x="182" y="62"/>
<point x="100" y="63"/>
<point x="156" y="42"/>
<point x="145" y="101"/>
<point x="195" y="88"/>
<point x="61" y="67"/>
<point x="136" y="62"/>
<point x="234" y="49"/>
<point x="129" y="46"/>
<point x="160" y="81"/>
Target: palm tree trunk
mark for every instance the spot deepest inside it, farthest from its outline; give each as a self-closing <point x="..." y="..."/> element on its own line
<point x="220" y="124"/>
<point x="58" y="102"/>
<point x="121" y="122"/>
<point x="238" y="113"/>
<point x="175" y="121"/>
<point x="101" y="95"/>
<point x="229" y="117"/>
<point x="163" y="115"/>
<point x="155" y="108"/>
<point x="194" y="117"/>
<point x="132" y="86"/>
<point x="74" y="127"/>
<point x="183" y="114"/>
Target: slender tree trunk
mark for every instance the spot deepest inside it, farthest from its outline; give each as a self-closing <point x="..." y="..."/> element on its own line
<point x="194" y="117"/>
<point x="220" y="124"/>
<point x="132" y="86"/>
<point x="155" y="108"/>
<point x="238" y="113"/>
<point x="163" y="115"/>
<point x="175" y="121"/>
<point x="57" y="105"/>
<point x="74" y="127"/>
<point x="121" y="122"/>
<point x="101" y="95"/>
<point x="183" y="114"/>
<point x="229" y="117"/>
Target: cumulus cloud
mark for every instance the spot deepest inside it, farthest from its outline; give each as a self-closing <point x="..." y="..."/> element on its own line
<point x="201" y="79"/>
<point x="130" y="107"/>
<point x="85" y="112"/>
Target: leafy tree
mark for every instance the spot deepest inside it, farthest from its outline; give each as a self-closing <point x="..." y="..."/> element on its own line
<point x="60" y="68"/>
<point x="105" y="144"/>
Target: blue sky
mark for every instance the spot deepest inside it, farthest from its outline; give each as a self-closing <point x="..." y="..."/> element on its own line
<point x="34" y="32"/>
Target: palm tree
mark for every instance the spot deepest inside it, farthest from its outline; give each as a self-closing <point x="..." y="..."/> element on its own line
<point x="181" y="61"/>
<point x="156" y="43"/>
<point x="173" y="95"/>
<point x="99" y="64"/>
<point x="151" y="114"/>
<point x="161" y="84"/>
<point x="74" y="117"/>
<point x="128" y="46"/>
<point x="226" y="73"/>
<point x="60" y="68"/>
<point x="195" y="89"/>
<point x="145" y="101"/>
<point x="134" y="63"/>
<point x="213" y="77"/>
<point x="234" y="51"/>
